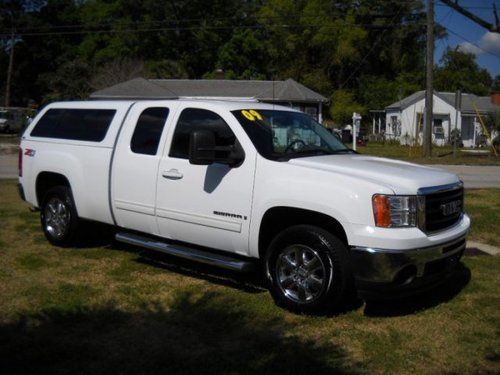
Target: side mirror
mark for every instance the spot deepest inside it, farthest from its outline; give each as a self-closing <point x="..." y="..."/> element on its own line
<point x="202" y="147"/>
<point x="204" y="151"/>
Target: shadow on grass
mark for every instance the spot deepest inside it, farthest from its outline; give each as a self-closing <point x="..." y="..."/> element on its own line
<point x="253" y="282"/>
<point x="430" y="298"/>
<point x="198" y="333"/>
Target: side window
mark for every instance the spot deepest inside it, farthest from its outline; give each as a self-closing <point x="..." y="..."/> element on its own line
<point x="148" y="130"/>
<point x="192" y="119"/>
<point x="75" y="124"/>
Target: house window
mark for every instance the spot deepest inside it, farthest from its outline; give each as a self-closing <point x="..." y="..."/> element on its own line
<point x="395" y="126"/>
<point x="437" y="128"/>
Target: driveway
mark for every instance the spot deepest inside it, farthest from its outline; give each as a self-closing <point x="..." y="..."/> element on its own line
<point x="475" y="176"/>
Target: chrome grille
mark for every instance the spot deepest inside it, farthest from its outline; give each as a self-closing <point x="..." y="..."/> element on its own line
<point x="443" y="207"/>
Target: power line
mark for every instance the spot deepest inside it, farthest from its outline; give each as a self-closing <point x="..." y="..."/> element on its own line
<point x="298" y="15"/>
<point x="474" y="44"/>
<point x="205" y="27"/>
<point x="468" y="7"/>
<point x="368" y="54"/>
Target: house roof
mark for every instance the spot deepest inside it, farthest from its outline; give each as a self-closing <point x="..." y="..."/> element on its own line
<point x="483" y="103"/>
<point x="274" y="91"/>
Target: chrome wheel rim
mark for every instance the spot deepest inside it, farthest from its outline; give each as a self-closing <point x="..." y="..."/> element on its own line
<point x="301" y="273"/>
<point x="56" y="217"/>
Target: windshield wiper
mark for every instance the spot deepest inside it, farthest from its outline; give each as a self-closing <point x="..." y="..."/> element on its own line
<point x="343" y="151"/>
<point x="312" y="152"/>
<point x="309" y="152"/>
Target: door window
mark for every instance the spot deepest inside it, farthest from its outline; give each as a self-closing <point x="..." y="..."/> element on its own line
<point x="192" y="119"/>
<point x="147" y="133"/>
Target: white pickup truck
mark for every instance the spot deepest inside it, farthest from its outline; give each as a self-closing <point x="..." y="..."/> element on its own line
<point x="244" y="186"/>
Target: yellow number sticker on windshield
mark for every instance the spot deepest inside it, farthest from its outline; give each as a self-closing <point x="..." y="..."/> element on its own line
<point x="256" y="114"/>
<point x="248" y="115"/>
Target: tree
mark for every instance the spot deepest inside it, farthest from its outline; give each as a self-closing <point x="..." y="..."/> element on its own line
<point x="343" y="107"/>
<point x="244" y="56"/>
<point x="378" y="92"/>
<point x="459" y="71"/>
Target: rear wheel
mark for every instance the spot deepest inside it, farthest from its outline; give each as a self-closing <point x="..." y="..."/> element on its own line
<point x="58" y="217"/>
<point x="308" y="270"/>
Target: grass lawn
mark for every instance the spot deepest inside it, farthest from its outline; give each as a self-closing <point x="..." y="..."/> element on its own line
<point x="105" y="309"/>
<point x="9" y="139"/>
<point x="414" y="154"/>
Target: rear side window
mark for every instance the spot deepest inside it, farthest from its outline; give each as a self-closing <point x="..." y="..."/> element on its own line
<point x="192" y="119"/>
<point x="75" y="124"/>
<point x="148" y="131"/>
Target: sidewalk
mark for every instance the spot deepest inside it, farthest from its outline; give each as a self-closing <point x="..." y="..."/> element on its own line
<point x="475" y="176"/>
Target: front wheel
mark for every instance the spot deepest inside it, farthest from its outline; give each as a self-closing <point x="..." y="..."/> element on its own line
<point x="308" y="270"/>
<point x="58" y="217"/>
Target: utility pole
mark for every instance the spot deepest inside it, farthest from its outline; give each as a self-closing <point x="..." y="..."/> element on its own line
<point x="429" y="64"/>
<point x="11" y="62"/>
<point x="9" y="70"/>
<point x="458" y="109"/>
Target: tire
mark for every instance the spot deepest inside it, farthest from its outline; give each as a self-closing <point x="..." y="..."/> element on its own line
<point x="58" y="216"/>
<point x="308" y="270"/>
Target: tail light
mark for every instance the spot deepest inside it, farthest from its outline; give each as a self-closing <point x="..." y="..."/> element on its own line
<point x="20" y="162"/>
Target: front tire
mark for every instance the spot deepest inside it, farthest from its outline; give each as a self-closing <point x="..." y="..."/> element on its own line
<point x="308" y="270"/>
<point x="58" y="216"/>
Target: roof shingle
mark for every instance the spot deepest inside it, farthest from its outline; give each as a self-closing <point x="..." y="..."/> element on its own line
<point x="140" y="88"/>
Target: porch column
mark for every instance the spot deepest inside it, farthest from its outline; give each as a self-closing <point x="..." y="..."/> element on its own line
<point x="379" y="124"/>
<point x="320" y="113"/>
<point x="373" y="131"/>
<point x="474" y="132"/>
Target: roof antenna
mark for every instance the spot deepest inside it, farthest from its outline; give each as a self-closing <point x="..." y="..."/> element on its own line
<point x="272" y="77"/>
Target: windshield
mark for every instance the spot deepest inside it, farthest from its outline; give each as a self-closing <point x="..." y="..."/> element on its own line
<point x="283" y="135"/>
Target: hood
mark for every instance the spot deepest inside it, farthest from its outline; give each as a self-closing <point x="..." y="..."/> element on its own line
<point x="399" y="176"/>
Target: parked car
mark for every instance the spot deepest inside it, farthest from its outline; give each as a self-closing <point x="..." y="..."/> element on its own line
<point x="7" y="123"/>
<point x="248" y="187"/>
<point x="13" y="119"/>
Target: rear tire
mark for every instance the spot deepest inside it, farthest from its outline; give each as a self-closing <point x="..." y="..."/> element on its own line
<point x="58" y="216"/>
<point x="308" y="270"/>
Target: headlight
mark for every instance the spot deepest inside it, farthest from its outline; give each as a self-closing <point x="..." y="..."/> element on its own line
<point x="395" y="210"/>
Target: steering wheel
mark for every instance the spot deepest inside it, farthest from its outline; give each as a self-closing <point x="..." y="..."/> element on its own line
<point x="290" y="146"/>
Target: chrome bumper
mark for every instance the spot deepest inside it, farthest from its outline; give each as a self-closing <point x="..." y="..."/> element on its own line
<point x="402" y="267"/>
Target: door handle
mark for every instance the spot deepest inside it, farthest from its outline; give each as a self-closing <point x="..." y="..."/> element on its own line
<point x="172" y="174"/>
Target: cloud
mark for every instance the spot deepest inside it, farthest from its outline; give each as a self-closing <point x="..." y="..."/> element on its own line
<point x="489" y="42"/>
<point x="470" y="48"/>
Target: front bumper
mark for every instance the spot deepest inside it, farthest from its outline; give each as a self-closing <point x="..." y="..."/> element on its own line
<point x="383" y="272"/>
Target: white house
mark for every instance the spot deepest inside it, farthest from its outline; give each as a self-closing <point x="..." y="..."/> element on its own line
<point x="404" y="119"/>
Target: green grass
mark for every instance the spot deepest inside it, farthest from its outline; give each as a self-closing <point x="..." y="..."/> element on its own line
<point x="441" y="155"/>
<point x="483" y="205"/>
<point x="9" y="139"/>
<point x="105" y="309"/>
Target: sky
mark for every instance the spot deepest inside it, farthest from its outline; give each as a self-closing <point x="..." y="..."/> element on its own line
<point x="468" y="35"/>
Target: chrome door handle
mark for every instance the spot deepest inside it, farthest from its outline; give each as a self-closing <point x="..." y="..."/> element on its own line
<point x="172" y="174"/>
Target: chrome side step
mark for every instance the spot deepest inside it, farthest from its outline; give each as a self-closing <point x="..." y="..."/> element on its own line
<point x="185" y="252"/>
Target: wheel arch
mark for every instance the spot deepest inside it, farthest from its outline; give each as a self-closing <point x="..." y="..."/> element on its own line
<point x="46" y="180"/>
<point x="278" y="218"/>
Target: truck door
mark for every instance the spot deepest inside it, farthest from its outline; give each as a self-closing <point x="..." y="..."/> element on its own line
<point x="135" y="166"/>
<point x="200" y="204"/>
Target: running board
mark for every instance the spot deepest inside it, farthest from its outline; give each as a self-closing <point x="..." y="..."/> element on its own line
<point x="197" y="255"/>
